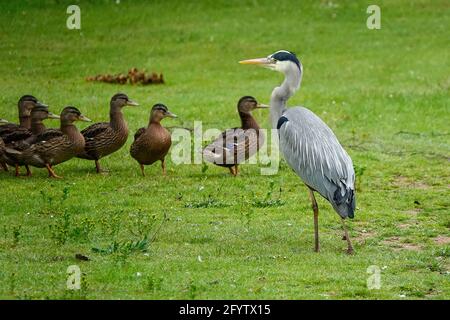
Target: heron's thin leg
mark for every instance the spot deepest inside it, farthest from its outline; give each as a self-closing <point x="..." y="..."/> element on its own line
<point x="17" y="170"/>
<point x="236" y="170"/>
<point x="163" y="165"/>
<point x="232" y="171"/>
<point x="142" y="169"/>
<point x="349" y="244"/>
<point x="97" y="166"/>
<point x="315" y="208"/>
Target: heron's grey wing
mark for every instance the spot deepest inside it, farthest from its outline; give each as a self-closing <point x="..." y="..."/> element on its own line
<point x="313" y="151"/>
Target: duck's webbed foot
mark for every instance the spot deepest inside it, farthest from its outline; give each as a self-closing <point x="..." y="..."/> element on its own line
<point x="51" y="173"/>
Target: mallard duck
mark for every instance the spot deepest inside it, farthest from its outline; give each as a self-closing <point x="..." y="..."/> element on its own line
<point x="236" y="145"/>
<point x="152" y="143"/>
<point x="12" y="132"/>
<point x="29" y="137"/>
<point x="105" y="138"/>
<point x="57" y="150"/>
<point x="2" y="148"/>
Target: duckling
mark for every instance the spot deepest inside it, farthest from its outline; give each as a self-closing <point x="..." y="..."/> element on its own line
<point x="57" y="150"/>
<point x="12" y="132"/>
<point x="2" y="149"/>
<point x="152" y="143"/>
<point x="105" y="138"/>
<point x="38" y="115"/>
<point x="236" y="145"/>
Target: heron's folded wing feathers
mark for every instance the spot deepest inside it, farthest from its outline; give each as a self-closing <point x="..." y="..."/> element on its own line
<point x="314" y="152"/>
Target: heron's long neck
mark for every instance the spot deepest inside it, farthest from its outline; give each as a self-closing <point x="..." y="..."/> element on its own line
<point x="281" y="94"/>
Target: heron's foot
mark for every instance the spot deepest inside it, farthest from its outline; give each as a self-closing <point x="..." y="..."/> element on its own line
<point x="317" y="249"/>
<point x="344" y="237"/>
<point x="350" y="251"/>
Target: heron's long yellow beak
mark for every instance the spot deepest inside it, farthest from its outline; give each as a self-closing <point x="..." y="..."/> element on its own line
<point x="260" y="61"/>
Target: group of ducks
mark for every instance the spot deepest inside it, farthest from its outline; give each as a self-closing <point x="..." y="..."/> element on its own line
<point x="30" y="143"/>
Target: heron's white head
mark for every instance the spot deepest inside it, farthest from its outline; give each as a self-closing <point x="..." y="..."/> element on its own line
<point x="282" y="61"/>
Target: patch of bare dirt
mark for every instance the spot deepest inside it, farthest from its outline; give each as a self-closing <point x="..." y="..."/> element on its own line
<point x="397" y="245"/>
<point x="442" y="239"/>
<point x="405" y="182"/>
<point x="363" y="235"/>
<point x="414" y="212"/>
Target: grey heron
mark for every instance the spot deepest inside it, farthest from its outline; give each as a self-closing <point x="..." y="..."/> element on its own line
<point x="309" y="146"/>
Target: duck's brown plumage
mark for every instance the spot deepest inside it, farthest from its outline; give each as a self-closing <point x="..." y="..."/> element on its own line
<point x="38" y="115"/>
<point x="236" y="145"/>
<point x="11" y="132"/>
<point x="2" y="150"/>
<point x="56" y="150"/>
<point x="152" y="144"/>
<point x="105" y="138"/>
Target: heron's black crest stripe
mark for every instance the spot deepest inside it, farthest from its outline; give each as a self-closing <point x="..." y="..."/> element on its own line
<point x="286" y="56"/>
<point x="282" y="120"/>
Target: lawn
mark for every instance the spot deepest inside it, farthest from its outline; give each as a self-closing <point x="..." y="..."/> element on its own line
<point x="199" y="233"/>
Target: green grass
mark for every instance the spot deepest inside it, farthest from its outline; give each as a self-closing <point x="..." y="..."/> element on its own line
<point x="206" y="235"/>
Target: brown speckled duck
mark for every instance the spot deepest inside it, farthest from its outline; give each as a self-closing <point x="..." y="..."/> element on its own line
<point x="105" y="138"/>
<point x="153" y="143"/>
<point x="12" y="132"/>
<point x="29" y="137"/>
<point x="57" y="150"/>
<point x="2" y="148"/>
<point x="236" y="145"/>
